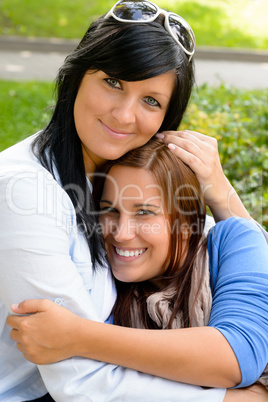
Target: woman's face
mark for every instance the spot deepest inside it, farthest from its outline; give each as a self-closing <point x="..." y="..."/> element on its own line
<point x="135" y="226"/>
<point x="114" y="116"/>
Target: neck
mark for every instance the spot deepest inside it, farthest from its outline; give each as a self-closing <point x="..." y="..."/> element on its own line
<point x="92" y="163"/>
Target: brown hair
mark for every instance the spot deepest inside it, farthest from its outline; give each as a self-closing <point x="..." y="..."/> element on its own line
<point x="185" y="210"/>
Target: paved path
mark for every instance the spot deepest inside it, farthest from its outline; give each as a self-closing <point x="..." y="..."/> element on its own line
<point x="32" y="65"/>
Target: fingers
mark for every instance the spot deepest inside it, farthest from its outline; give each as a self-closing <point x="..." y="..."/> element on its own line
<point x="18" y="336"/>
<point x="14" y="335"/>
<point x="29" y="306"/>
<point x="198" y="136"/>
<point x="189" y="134"/>
<point x="13" y="321"/>
<point x="192" y="160"/>
<point x="191" y="141"/>
<point x="195" y="149"/>
<point x="23" y="347"/>
<point x="26" y="307"/>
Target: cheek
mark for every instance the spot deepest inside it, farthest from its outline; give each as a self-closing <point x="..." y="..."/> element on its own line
<point x="157" y="233"/>
<point x="151" y="123"/>
<point x="108" y="226"/>
<point x="84" y="109"/>
<point x="79" y="117"/>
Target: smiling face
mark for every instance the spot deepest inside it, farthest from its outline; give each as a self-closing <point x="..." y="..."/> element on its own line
<point x="114" y="116"/>
<point x="135" y="225"/>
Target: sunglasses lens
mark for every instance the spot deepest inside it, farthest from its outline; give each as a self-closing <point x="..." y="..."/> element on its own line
<point x="182" y="33"/>
<point x="135" y="11"/>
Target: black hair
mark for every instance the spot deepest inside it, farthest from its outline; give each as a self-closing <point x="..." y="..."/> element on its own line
<point x="126" y="51"/>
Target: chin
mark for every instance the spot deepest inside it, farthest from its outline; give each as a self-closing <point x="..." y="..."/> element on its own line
<point x="124" y="279"/>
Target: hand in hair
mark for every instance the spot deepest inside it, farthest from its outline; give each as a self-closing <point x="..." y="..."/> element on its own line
<point x="200" y="152"/>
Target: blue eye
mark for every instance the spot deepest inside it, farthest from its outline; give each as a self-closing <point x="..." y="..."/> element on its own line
<point x="113" y="82"/>
<point x="152" y="102"/>
<point x="145" y="212"/>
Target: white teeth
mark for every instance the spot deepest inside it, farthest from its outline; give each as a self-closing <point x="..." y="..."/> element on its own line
<point x="127" y="253"/>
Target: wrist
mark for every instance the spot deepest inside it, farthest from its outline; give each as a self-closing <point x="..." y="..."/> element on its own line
<point x="227" y="204"/>
<point x="220" y="204"/>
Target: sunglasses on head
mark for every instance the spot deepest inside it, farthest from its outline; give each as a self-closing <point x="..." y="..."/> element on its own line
<point x="146" y="11"/>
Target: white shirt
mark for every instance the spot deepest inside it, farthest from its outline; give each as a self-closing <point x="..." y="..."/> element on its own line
<point x="43" y="255"/>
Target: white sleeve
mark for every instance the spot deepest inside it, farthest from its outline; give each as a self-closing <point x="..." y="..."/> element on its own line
<point x="36" y="262"/>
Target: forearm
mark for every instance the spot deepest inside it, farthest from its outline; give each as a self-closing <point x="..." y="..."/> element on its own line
<point x="78" y="379"/>
<point x="200" y="356"/>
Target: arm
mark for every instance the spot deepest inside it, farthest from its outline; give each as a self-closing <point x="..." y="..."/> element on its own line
<point x="174" y="348"/>
<point x="35" y="262"/>
<point x="240" y="300"/>
<point x="169" y="354"/>
<point x="200" y="152"/>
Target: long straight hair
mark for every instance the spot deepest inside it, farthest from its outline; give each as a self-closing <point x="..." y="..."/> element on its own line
<point x="125" y="51"/>
<point x="185" y="210"/>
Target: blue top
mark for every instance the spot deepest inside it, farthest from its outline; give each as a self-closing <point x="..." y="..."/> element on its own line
<point x="238" y="260"/>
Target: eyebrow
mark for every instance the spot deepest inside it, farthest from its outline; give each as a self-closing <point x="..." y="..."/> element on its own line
<point x="135" y="205"/>
<point x="159" y="94"/>
<point x="146" y="205"/>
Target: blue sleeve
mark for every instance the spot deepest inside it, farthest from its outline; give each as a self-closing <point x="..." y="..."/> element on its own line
<point x="238" y="257"/>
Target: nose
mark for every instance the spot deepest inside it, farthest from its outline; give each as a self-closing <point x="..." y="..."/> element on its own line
<point x="125" y="229"/>
<point x="125" y="111"/>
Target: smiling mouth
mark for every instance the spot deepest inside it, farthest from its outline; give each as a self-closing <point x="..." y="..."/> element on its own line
<point x="115" y="133"/>
<point x="129" y="253"/>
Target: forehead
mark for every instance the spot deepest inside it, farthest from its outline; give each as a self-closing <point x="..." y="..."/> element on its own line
<point x="131" y="185"/>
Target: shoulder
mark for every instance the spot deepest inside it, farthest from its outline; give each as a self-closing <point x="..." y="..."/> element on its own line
<point x="19" y="153"/>
<point x="237" y="248"/>
<point x="29" y="194"/>
<point x="18" y="161"/>
<point x="235" y="228"/>
<point x="22" y="172"/>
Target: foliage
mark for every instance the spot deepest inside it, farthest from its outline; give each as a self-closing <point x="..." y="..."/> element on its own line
<point x="239" y="121"/>
<point x="237" y="118"/>
<point x="234" y="23"/>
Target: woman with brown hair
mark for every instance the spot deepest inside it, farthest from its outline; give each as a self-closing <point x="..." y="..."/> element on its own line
<point x="208" y="292"/>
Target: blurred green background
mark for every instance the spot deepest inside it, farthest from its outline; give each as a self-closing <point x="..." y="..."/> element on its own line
<point x="237" y="118"/>
<point x="231" y="23"/>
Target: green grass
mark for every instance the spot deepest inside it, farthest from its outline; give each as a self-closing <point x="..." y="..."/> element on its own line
<point x="237" y="118"/>
<point x="24" y="109"/>
<point x="231" y="23"/>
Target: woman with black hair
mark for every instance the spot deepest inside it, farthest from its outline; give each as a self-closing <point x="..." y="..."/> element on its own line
<point x="129" y="78"/>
